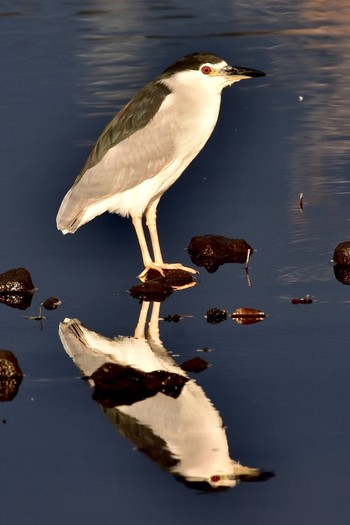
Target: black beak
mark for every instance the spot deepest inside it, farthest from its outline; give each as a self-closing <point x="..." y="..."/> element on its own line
<point x="243" y="71"/>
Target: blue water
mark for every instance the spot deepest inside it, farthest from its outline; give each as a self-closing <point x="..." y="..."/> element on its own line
<point x="280" y="386"/>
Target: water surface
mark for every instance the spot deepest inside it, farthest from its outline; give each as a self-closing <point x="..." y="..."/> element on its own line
<point x="280" y="386"/>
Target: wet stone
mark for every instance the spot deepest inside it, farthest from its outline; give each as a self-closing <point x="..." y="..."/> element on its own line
<point x="302" y="300"/>
<point x="16" y="288"/>
<point x="342" y="253"/>
<point x="173" y="278"/>
<point x="51" y="303"/>
<point x="215" y="316"/>
<point x="17" y="280"/>
<point x="212" y="251"/>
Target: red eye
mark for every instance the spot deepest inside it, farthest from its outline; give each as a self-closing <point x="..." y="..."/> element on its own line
<point x="206" y="70"/>
<point x="215" y="479"/>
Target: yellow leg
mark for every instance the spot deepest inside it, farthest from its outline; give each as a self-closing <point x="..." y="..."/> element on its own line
<point x="151" y="221"/>
<point x="146" y="258"/>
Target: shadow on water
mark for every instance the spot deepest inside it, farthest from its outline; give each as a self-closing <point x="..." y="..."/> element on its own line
<point x="151" y="401"/>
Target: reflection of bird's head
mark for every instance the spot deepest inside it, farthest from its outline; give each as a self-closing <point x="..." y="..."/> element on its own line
<point x="204" y="74"/>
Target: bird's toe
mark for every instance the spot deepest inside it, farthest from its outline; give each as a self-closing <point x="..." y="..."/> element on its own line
<point x="163" y="267"/>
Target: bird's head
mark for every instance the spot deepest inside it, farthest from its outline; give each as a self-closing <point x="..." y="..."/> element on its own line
<point x="205" y="71"/>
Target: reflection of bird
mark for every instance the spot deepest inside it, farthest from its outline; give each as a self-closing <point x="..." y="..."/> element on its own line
<point x="184" y="434"/>
<point x="148" y="145"/>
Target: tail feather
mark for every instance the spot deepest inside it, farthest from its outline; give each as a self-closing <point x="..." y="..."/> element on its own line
<point x="72" y="213"/>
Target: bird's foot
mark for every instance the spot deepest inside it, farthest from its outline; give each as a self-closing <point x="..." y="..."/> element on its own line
<point x="178" y="266"/>
<point x="162" y="267"/>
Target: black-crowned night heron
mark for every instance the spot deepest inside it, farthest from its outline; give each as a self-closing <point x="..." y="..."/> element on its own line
<point x="148" y="145"/>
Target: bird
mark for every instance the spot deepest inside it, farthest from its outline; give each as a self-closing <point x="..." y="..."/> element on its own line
<point x="147" y="146"/>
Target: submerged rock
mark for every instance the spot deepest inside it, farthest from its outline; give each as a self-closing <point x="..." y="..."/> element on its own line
<point x="211" y="251"/>
<point x="11" y="375"/>
<point x="16" y="288"/>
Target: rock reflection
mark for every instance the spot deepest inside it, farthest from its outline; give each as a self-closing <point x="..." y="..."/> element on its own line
<point x="11" y="376"/>
<point x="171" y="419"/>
<point x="158" y="287"/>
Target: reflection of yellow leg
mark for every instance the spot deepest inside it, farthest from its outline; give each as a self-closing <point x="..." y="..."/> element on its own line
<point x="140" y="327"/>
<point x="153" y="325"/>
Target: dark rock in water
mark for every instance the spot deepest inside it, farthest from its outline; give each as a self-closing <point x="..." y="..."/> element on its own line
<point x="16" y="288"/>
<point x="197" y="364"/>
<point x="302" y="300"/>
<point x="342" y="253"/>
<point x="51" y="303"/>
<point x="17" y="280"/>
<point x="342" y="273"/>
<point x="158" y="287"/>
<point x="215" y="315"/>
<point x="117" y="385"/>
<point x="10" y="375"/>
<point x="211" y="251"/>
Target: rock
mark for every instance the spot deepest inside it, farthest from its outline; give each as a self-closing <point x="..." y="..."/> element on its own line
<point x="211" y="251"/>
<point x="215" y="316"/>
<point x="51" y="303"/>
<point x="16" y="288"/>
<point x="342" y="253"/>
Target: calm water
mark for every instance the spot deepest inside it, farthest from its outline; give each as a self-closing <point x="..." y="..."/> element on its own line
<point x="281" y="387"/>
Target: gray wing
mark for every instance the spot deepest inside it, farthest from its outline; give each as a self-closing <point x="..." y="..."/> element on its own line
<point x="135" y="146"/>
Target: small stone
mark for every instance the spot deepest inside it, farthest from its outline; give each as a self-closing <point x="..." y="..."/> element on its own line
<point x="51" y="303"/>
<point x="215" y="316"/>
